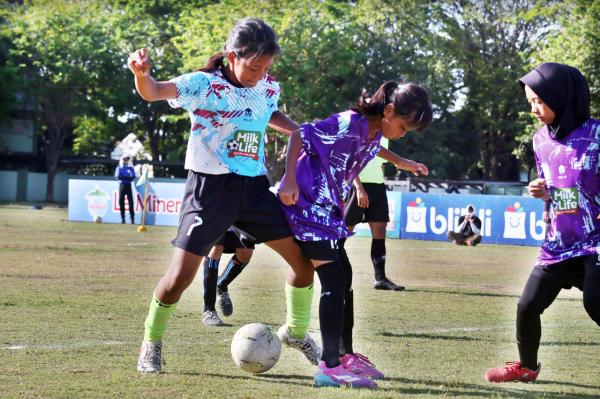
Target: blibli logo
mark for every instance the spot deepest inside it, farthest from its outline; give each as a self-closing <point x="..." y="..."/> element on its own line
<point x="514" y="221"/>
<point x="416" y="213"/>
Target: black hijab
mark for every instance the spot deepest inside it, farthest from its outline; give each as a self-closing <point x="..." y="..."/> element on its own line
<point x="564" y="89"/>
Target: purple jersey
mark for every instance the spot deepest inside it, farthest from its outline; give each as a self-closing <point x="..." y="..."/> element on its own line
<point x="334" y="151"/>
<point x="571" y="169"/>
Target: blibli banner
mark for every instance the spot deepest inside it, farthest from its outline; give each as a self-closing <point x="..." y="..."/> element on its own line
<point x="505" y="219"/>
<point x="89" y="199"/>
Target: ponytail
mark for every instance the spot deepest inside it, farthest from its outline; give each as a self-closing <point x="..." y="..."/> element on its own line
<point x="214" y="63"/>
<point x="373" y="104"/>
<point x="411" y="102"/>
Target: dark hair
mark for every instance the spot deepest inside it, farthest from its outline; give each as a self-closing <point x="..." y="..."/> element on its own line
<point x="411" y="102"/>
<point x="249" y="38"/>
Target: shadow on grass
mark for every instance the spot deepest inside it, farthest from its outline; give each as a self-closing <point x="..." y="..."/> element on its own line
<point x="430" y="336"/>
<point x="431" y="387"/>
<point x="569" y="343"/>
<point x="483" y="294"/>
<point x="445" y="388"/>
<point x="288" y="379"/>
<point x="465" y="338"/>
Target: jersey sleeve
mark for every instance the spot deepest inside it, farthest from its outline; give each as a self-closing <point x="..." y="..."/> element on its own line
<point x="192" y="90"/>
<point x="272" y="92"/>
<point x="320" y="135"/>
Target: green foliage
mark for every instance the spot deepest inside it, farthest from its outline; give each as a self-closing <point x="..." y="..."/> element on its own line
<point x="575" y="40"/>
<point x="68" y="59"/>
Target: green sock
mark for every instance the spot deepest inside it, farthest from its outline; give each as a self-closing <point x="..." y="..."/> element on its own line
<point x="157" y="321"/>
<point x="299" y="303"/>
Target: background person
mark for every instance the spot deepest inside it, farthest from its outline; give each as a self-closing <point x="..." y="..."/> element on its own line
<point x="126" y="174"/>
<point x="468" y="231"/>
<point x="368" y="203"/>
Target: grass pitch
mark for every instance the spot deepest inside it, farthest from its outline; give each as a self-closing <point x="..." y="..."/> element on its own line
<point x="74" y="296"/>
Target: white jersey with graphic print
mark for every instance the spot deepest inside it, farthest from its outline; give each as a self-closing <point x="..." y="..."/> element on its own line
<point x="228" y="122"/>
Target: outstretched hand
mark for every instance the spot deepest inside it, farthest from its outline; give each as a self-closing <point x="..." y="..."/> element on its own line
<point x="419" y="169"/>
<point x="139" y="63"/>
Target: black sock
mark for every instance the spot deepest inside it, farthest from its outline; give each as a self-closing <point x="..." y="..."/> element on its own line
<point x="348" y="320"/>
<point x="346" y="343"/>
<point x="378" y="257"/>
<point x="211" y="271"/>
<point x="233" y="269"/>
<point x="331" y="307"/>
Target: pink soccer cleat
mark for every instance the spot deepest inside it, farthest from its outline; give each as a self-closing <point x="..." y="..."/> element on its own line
<point x="513" y="371"/>
<point x="360" y="365"/>
<point x="340" y="377"/>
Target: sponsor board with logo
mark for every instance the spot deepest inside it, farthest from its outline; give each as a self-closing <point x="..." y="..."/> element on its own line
<point x="505" y="219"/>
<point x="89" y="199"/>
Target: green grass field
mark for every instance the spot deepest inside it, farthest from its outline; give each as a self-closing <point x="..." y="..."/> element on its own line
<point x="73" y="298"/>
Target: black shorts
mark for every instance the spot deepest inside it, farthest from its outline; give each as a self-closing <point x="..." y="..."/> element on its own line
<point x="377" y="211"/>
<point x="214" y="203"/>
<point x="234" y="239"/>
<point x="320" y="250"/>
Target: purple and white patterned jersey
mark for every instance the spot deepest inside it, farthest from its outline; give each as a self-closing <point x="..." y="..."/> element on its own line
<point x="571" y="169"/>
<point x="334" y="151"/>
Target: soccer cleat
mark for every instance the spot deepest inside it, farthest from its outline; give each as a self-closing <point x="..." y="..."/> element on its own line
<point x="150" y="358"/>
<point x="210" y="318"/>
<point x="340" y="376"/>
<point x="225" y="303"/>
<point x="309" y="348"/>
<point x="360" y="365"/>
<point x="387" y="284"/>
<point x="513" y="371"/>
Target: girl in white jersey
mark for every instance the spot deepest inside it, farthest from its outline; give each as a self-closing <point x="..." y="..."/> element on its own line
<point x="230" y="106"/>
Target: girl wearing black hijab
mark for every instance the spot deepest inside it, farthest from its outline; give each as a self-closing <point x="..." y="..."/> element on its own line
<point x="566" y="152"/>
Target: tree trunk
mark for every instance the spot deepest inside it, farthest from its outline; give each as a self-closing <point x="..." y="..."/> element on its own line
<point x="53" y="142"/>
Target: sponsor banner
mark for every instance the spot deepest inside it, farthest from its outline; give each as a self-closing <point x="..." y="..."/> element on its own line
<point x="393" y="227"/>
<point x="89" y="199"/>
<point x="505" y="219"/>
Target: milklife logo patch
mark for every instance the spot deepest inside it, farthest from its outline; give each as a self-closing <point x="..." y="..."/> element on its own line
<point x="245" y="143"/>
<point x="565" y="200"/>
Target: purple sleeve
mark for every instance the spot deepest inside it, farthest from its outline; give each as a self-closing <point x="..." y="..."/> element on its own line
<point x="319" y="135"/>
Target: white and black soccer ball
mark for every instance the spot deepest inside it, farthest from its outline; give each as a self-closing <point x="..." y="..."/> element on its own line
<point x="97" y="219"/>
<point x="233" y="145"/>
<point x="255" y="348"/>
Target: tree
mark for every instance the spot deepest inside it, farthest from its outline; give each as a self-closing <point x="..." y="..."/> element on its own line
<point x="60" y="49"/>
<point x="488" y="40"/>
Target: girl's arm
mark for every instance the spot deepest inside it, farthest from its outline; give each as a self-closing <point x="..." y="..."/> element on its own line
<point x="150" y="90"/>
<point x="288" y="189"/>
<point x="362" y="198"/>
<point x="403" y="163"/>
<point x="281" y="123"/>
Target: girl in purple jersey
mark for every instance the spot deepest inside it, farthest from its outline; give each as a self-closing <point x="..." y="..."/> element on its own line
<point x="566" y="154"/>
<point x="322" y="161"/>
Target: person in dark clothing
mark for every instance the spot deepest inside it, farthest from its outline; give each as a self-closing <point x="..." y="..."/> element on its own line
<point x="125" y="173"/>
<point x="468" y="231"/>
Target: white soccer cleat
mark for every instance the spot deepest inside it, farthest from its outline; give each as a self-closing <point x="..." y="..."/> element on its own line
<point x="150" y="359"/>
<point x="210" y="318"/>
<point x="309" y="348"/>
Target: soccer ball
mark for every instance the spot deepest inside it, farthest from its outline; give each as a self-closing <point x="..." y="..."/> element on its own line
<point x="255" y="348"/>
<point x="98" y="219"/>
<point x="233" y="145"/>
